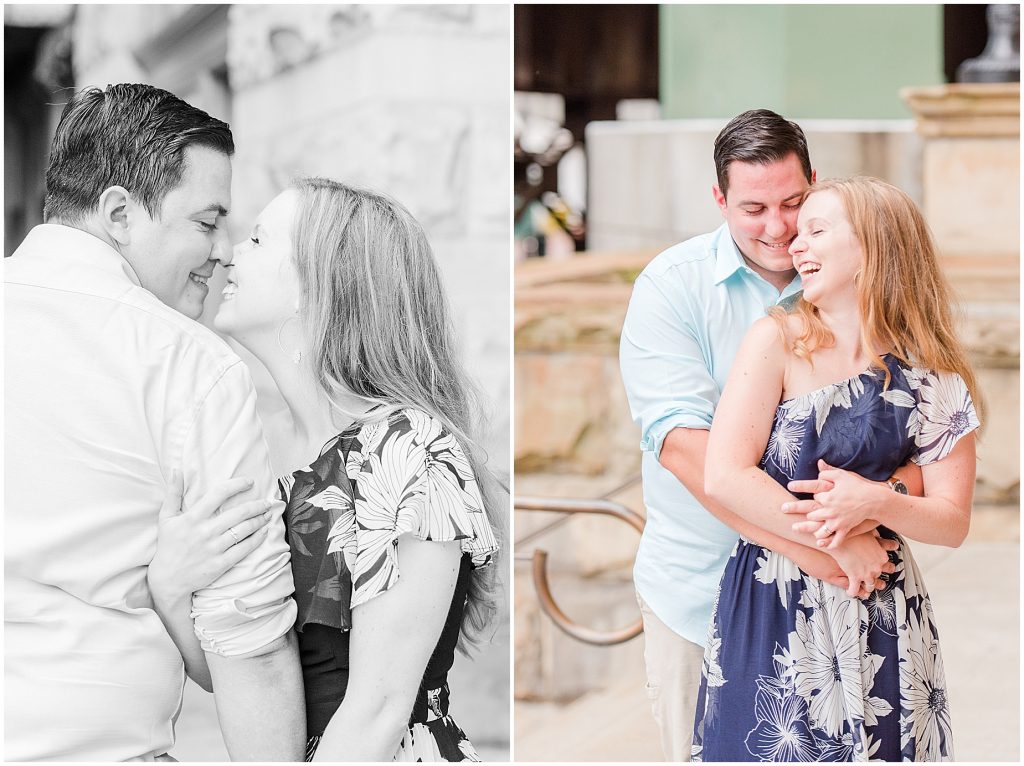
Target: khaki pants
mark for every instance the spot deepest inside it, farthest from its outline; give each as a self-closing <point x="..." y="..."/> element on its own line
<point x="673" y="679"/>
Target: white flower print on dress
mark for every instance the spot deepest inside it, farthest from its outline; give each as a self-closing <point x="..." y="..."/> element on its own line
<point x="887" y="607"/>
<point x="947" y="413"/>
<point x="784" y="443"/>
<point x="451" y="489"/>
<point x="923" y="686"/>
<point x="915" y="375"/>
<point x="781" y="733"/>
<point x="826" y="664"/>
<point x="342" y="535"/>
<point x="775" y="569"/>
<point x="411" y="476"/>
<point x="874" y="707"/>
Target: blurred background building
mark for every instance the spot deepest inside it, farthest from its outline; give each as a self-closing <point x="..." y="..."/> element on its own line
<point x="412" y="100"/>
<point x="616" y="112"/>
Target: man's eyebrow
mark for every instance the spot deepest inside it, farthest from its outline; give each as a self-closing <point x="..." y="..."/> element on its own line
<point x="212" y="208"/>
<point x="749" y="202"/>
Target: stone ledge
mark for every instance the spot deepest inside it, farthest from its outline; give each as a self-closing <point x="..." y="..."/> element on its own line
<point x="966" y="109"/>
<point x="590" y="267"/>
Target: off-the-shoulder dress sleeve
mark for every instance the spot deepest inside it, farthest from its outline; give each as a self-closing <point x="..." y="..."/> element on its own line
<point x="410" y="475"/>
<point x="944" y="414"/>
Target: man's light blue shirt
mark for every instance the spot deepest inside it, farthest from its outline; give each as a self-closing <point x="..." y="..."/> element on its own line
<point x="690" y="309"/>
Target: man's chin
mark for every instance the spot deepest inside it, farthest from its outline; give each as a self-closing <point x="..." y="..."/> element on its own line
<point x="190" y="309"/>
<point x="776" y="261"/>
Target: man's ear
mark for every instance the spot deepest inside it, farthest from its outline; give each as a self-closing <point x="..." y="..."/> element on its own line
<point x="719" y="198"/>
<point x="814" y="175"/>
<point x="115" y="207"/>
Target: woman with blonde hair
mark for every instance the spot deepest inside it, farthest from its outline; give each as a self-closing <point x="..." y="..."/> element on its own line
<point x="864" y="374"/>
<point x="392" y="516"/>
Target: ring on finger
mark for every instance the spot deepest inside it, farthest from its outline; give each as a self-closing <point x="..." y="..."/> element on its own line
<point x="234" y="535"/>
<point x="828" y="530"/>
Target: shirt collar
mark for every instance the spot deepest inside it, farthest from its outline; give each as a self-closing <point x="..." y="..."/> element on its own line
<point x="77" y="246"/>
<point x="728" y="259"/>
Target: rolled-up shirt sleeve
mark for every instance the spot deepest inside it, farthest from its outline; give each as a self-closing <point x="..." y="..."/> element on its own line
<point x="251" y="604"/>
<point x="664" y="365"/>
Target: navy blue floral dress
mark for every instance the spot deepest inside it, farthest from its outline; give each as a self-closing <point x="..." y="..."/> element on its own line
<point x="794" y="669"/>
<point x="404" y="473"/>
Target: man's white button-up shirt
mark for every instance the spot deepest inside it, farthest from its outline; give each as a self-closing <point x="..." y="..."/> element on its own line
<point x="107" y="391"/>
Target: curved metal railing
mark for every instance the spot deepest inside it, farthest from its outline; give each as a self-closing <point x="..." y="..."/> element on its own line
<point x="540" y="558"/>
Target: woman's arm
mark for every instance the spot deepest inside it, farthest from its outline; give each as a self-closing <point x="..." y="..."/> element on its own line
<point x="684" y="453"/>
<point x="194" y="548"/>
<point x="393" y="636"/>
<point x="941" y="517"/>
<point x="742" y="425"/>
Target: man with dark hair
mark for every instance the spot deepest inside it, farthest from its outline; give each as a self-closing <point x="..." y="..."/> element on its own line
<point x="111" y="389"/>
<point x="690" y="309"/>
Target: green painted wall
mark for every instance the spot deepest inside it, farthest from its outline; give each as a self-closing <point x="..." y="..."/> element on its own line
<point x="803" y="61"/>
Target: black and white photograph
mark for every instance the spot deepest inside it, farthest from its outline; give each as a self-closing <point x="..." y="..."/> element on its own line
<point x="257" y="387"/>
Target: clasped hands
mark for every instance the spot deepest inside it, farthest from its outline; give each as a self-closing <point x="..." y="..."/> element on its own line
<point x="839" y="518"/>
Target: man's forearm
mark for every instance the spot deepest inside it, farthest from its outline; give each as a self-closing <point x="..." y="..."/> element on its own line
<point x="175" y="613"/>
<point x="260" y="703"/>
<point x="683" y="453"/>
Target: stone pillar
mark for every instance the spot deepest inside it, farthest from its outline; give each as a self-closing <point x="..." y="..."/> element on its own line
<point x="971" y="200"/>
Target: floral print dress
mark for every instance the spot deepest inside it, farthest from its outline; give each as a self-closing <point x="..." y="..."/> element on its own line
<point x="796" y="670"/>
<point x="404" y="473"/>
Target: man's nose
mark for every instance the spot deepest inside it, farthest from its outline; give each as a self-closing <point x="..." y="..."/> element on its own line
<point x="223" y="252"/>
<point x="776" y="226"/>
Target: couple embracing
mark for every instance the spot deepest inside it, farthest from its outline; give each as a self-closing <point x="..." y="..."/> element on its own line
<point x="806" y="409"/>
<point x="147" y="535"/>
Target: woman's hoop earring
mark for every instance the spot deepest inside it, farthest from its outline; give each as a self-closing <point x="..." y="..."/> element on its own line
<point x="296" y="355"/>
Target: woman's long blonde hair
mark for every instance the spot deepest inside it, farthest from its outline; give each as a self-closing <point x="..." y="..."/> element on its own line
<point x="905" y="302"/>
<point x="379" y="326"/>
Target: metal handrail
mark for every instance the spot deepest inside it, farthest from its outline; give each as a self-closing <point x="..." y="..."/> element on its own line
<point x="540" y="572"/>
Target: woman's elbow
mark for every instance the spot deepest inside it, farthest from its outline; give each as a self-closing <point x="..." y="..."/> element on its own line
<point x="955" y="532"/>
<point x="960" y="534"/>
<point x="716" y="481"/>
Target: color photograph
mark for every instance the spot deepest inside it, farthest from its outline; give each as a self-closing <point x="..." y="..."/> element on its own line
<point x="766" y="361"/>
